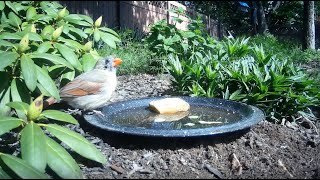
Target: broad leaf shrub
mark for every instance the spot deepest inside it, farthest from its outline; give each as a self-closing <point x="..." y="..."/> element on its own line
<point x="38" y="149"/>
<point x="42" y="47"/>
<point x="166" y="38"/>
<point x="232" y="69"/>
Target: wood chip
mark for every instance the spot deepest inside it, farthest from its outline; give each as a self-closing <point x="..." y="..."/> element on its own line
<point x="236" y="165"/>
<point x="117" y="169"/>
<point x="214" y="171"/>
<point x="284" y="167"/>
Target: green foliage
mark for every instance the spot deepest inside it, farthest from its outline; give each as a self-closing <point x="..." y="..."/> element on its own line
<point x="139" y="59"/>
<point x="166" y="38"/>
<point x="43" y="46"/>
<point x="237" y="70"/>
<point x="38" y="150"/>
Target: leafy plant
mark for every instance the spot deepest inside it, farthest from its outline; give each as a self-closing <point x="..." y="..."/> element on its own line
<point x="139" y="59"/>
<point x="43" y="47"/>
<point x="245" y="73"/>
<point x="38" y="149"/>
<point x="166" y="38"/>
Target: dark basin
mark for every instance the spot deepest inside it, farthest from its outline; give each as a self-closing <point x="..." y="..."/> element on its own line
<point x="218" y="116"/>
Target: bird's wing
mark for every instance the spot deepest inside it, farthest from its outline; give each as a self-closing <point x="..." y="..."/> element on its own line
<point x="80" y="87"/>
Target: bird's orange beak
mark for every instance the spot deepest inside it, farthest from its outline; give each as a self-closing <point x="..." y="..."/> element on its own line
<point x="116" y="62"/>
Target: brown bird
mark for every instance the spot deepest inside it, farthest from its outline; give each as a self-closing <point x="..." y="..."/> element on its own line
<point x="92" y="89"/>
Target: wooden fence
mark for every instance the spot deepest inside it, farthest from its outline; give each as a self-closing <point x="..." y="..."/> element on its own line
<point x="138" y="15"/>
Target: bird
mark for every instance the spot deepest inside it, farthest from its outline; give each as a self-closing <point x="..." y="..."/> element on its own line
<point x="93" y="89"/>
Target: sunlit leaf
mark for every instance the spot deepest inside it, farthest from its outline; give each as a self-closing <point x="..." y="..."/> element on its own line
<point x="46" y="81"/>
<point x="60" y="116"/>
<point x="61" y="162"/>
<point x="7" y="58"/>
<point x="22" y="168"/>
<point x="53" y="58"/>
<point x="14" y="19"/>
<point x="69" y="55"/>
<point x="19" y="106"/>
<point x="88" y="62"/>
<point x="8" y="123"/>
<point x="29" y="72"/>
<point x="76" y="142"/>
<point x="33" y="145"/>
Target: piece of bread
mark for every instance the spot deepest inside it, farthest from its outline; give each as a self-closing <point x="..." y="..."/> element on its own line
<point x="169" y="105"/>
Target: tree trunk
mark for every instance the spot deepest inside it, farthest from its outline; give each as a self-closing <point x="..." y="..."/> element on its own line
<point x="309" y="28"/>
<point x="253" y="17"/>
<point x="262" y="24"/>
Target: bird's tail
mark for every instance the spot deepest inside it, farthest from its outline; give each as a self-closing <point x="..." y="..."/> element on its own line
<point x="48" y="102"/>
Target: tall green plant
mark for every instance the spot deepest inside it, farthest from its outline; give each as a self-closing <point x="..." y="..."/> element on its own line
<point x="39" y="150"/>
<point x="42" y="46"/>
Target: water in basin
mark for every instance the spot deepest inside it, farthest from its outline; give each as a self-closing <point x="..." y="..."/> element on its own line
<point x="196" y="117"/>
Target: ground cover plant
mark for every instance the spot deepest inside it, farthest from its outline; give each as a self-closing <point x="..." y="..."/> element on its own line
<point x="237" y="70"/>
<point x="42" y="47"/>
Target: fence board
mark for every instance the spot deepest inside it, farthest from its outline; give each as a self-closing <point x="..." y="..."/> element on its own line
<point x="138" y="15"/>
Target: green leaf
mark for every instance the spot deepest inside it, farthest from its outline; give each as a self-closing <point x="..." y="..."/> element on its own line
<point x="47" y="83"/>
<point x="6" y="43"/>
<point x="106" y="38"/>
<point x="79" y="32"/>
<point x="71" y="43"/>
<point x="29" y="72"/>
<point x="5" y="95"/>
<point x="19" y="106"/>
<point x="3" y="174"/>
<point x="44" y="47"/>
<point x="111" y="36"/>
<point x="14" y="19"/>
<point x="188" y="34"/>
<point x="69" y="55"/>
<point x="53" y="58"/>
<point x="109" y="31"/>
<point x="33" y="146"/>
<point x="79" y="22"/>
<point x="18" y="93"/>
<point x="88" y="62"/>
<point x="7" y="58"/>
<point x="11" y="6"/>
<point x="61" y="162"/>
<point x="34" y="36"/>
<point x="31" y="12"/>
<point x="22" y="168"/>
<point x="96" y="35"/>
<point x="2" y="5"/>
<point x="76" y="142"/>
<point x="6" y="35"/>
<point x="60" y="116"/>
<point x="9" y="123"/>
<point x="86" y="18"/>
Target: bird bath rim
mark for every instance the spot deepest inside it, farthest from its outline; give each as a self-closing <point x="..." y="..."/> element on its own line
<point x="251" y="115"/>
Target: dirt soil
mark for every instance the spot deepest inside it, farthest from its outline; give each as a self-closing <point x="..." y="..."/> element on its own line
<point x="266" y="150"/>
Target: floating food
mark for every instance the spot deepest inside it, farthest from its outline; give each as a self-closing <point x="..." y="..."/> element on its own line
<point x="169" y="105"/>
<point x="170" y="117"/>
<point x="189" y="124"/>
<point x="209" y="122"/>
<point x="193" y="117"/>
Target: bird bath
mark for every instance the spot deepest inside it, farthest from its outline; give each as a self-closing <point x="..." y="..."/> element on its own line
<point x="206" y="116"/>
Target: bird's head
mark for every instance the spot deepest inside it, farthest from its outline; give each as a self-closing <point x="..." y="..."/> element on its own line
<point x="109" y="63"/>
